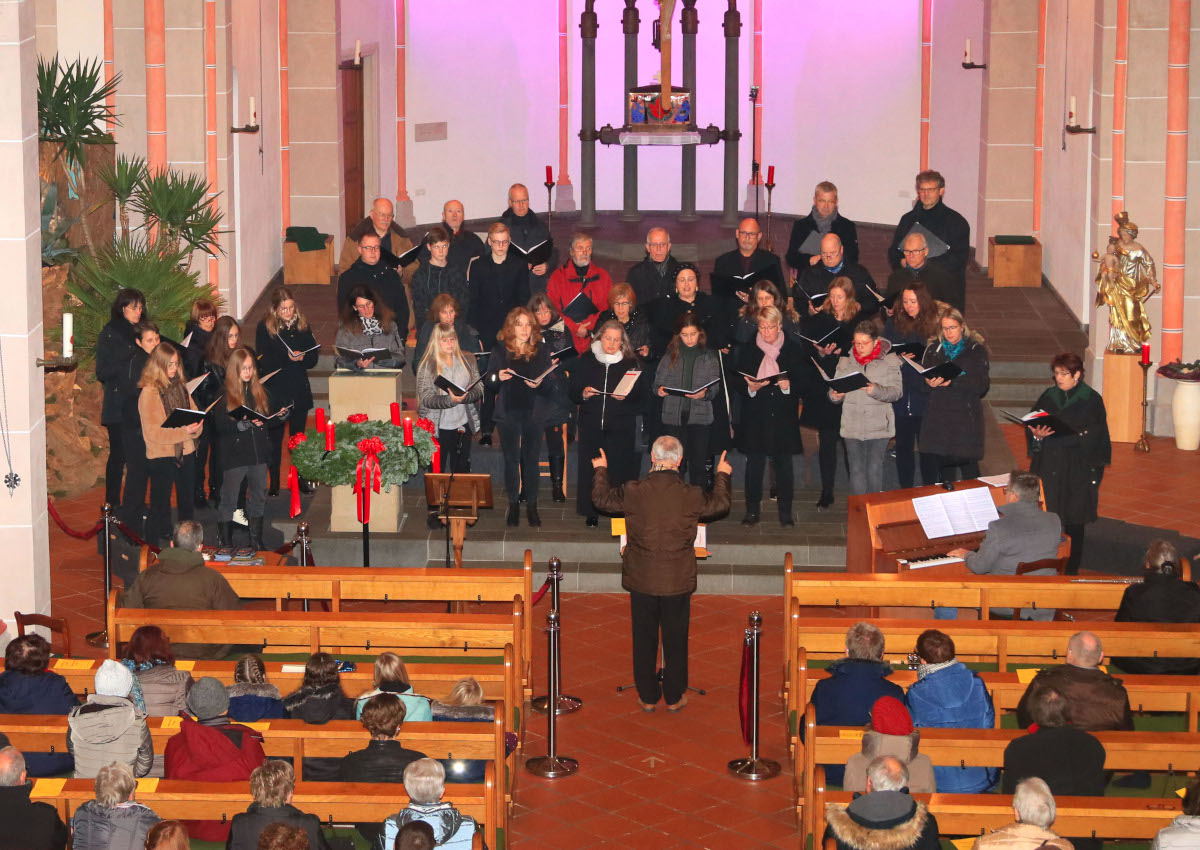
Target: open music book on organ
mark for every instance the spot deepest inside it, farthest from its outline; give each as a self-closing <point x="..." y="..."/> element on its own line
<point x="956" y="512"/>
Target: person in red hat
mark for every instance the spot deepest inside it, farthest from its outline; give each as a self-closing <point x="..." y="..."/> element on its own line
<point x="890" y="732"/>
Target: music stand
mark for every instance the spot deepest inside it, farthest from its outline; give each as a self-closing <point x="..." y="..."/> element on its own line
<point x="456" y="498"/>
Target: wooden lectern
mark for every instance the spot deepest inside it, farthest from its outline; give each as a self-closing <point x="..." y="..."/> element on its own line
<point x="468" y="492"/>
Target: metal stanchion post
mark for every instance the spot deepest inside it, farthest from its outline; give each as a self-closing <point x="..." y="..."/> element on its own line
<point x="302" y="542"/>
<point x="566" y="704"/>
<point x="552" y="765"/>
<point x="754" y="767"/>
<point x="100" y="638"/>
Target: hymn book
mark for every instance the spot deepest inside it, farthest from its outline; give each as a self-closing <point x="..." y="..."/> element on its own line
<point x="407" y="258"/>
<point x="770" y="379"/>
<point x="293" y="351"/>
<point x="186" y="342"/>
<point x="243" y="412"/>
<point x="365" y="354"/>
<point x="533" y="379"/>
<point x="625" y="385"/>
<point x="442" y="382"/>
<point x="1040" y="418"/>
<point x="580" y="308"/>
<point x="738" y="285"/>
<point x="181" y="417"/>
<point x="916" y="349"/>
<point x="682" y="392"/>
<point x="957" y="512"/>
<point x="812" y="242"/>
<point x="195" y="382"/>
<point x="843" y="383"/>
<point x="947" y="371"/>
<point x="564" y="353"/>
<point x="537" y="254"/>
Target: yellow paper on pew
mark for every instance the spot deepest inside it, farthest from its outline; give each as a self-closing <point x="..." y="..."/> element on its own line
<point x="171" y="722"/>
<point x="47" y="787"/>
<point x="964" y="843"/>
<point x="1025" y="676"/>
<point x="189" y="666"/>
<point x="1103" y="668"/>
<point x="73" y="663"/>
<point x="618" y="526"/>
<point x="260" y="725"/>
<point x="1182" y="792"/>
<point x="851" y="734"/>
<point x="147" y="785"/>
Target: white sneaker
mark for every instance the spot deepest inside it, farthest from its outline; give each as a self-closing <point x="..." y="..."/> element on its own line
<point x="239" y="516"/>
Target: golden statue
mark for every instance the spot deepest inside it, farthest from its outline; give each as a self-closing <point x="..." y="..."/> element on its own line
<point x="1125" y="281"/>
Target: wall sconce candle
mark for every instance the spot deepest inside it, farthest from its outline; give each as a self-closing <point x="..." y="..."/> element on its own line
<point x="967" y="63"/>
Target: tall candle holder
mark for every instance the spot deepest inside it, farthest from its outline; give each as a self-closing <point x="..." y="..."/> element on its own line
<point x="770" y="187"/>
<point x="549" y="184"/>
<point x="1143" y="443"/>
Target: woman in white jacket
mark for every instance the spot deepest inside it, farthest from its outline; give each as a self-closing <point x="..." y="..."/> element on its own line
<point x="868" y="421"/>
<point x="1184" y="831"/>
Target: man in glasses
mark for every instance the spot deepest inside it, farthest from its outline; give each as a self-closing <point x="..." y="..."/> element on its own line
<point x="370" y="270"/>
<point x="654" y="276"/>
<point x="942" y="285"/>
<point x="946" y="232"/>
<point x="820" y="222"/>
<point x="527" y="231"/>
<point x="812" y="285"/>
<point x="393" y="241"/>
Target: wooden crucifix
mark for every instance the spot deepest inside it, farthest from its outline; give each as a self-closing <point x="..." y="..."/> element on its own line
<point x="666" y="11"/>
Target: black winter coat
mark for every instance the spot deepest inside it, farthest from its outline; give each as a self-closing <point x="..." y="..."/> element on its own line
<point x="604" y="413"/>
<point x="916" y="391"/>
<point x="815" y="281"/>
<point x="430" y="281"/>
<point x="953" y="426"/>
<point x="559" y="380"/>
<point x="381" y="761"/>
<point x="842" y="227"/>
<point x="1069" y="759"/>
<point x="291" y="385"/>
<point x="248" y="445"/>
<point x="1160" y="599"/>
<point x="384" y="280"/>
<point x="114" y="347"/>
<point x="247" y="826"/>
<point x="1072" y="466"/>
<point x="29" y="825"/>
<point x="528" y="231"/>
<point x="212" y="388"/>
<point x="129" y="391"/>
<point x="770" y="419"/>
<point x="666" y="313"/>
<point x="819" y="412"/>
<point x="637" y="329"/>
<point x="46" y="693"/>
<point x="945" y="223"/>
<point x="319" y="705"/>
<point x="514" y="395"/>
<point x="648" y="285"/>
<point x="495" y="289"/>
<point x="193" y="355"/>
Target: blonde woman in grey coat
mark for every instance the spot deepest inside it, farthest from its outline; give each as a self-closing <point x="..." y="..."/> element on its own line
<point x="868" y="420"/>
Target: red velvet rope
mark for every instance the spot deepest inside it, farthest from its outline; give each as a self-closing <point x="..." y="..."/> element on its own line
<point x="78" y="535"/>
<point x="537" y="597"/>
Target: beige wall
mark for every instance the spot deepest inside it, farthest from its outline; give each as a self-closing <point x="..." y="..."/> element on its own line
<point x="25" y="568"/>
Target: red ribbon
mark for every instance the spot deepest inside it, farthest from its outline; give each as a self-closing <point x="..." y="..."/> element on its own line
<point x="294" y="489"/>
<point x="368" y="476"/>
<point x="436" y="463"/>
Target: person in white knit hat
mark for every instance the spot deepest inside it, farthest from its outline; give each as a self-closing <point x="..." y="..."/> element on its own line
<point x="109" y="727"/>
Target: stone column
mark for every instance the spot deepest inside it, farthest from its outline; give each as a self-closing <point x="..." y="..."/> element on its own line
<point x="25" y="572"/>
<point x="588" y="24"/>
<point x="733" y="29"/>
<point x="629" y="25"/>
<point x="687" y="189"/>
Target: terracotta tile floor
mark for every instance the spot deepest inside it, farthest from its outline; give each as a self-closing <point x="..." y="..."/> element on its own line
<point x="659" y="780"/>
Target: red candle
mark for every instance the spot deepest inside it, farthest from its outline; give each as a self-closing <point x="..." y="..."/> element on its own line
<point x="395" y="413"/>
<point x="436" y="463"/>
<point x="771" y="174"/>
<point x="1145" y="354"/>
<point x="320" y="420"/>
<point x="408" y="431"/>
<point x="329" y="446"/>
<point x="549" y="174"/>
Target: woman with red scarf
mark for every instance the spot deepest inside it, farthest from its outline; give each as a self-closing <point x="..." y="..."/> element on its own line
<point x="868" y="421"/>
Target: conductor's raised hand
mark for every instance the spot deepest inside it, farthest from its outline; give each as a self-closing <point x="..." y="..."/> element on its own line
<point x="723" y="465"/>
<point x="600" y="462"/>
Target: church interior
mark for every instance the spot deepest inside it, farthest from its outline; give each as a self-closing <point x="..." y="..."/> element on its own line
<point x="1023" y="163"/>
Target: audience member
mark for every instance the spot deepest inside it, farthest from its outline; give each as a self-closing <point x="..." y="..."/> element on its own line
<point x="918" y="268"/>
<point x="27" y="686"/>
<point x="425" y="782"/>
<point x="369" y="325"/>
<point x="114" y="820"/>
<point x="886" y="817"/>
<point x="855" y="683"/>
<point x="280" y="836"/>
<point x="868" y="420"/>
<point x="465" y="703"/>
<point x="415" y="835"/>
<point x="580" y="276"/>
<point x="114" y="348"/>
<point x="949" y="695"/>
<point x="27" y="825"/>
<point x="109" y="727"/>
<point x="931" y="217"/>
<point x="527" y="232"/>
<point x="1097" y="701"/>
<point x="162" y="686"/>
<point x="320" y="697"/>
<point x="1162" y="597"/>
<point x="437" y="275"/>
<point x="212" y="748"/>
<point x="1184" y="831"/>
<point x="812" y="284"/>
<point x="251" y="696"/>
<point x="167" y="835"/>
<point x="272" y="783"/>
<point x="654" y="276"/>
<point x="391" y="677"/>
<point x="1033" y="808"/>
<point x="890" y="733"/>
<point x="180" y="580"/>
<point x="824" y="220"/>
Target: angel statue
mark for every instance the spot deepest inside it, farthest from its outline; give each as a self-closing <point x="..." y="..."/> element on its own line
<point x="1125" y="281"/>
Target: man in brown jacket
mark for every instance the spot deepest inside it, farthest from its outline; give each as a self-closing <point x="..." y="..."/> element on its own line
<point x="1098" y="702"/>
<point x="658" y="566"/>
<point x="181" y="581"/>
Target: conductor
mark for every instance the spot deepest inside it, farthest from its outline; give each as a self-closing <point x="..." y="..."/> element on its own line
<point x="658" y="566"/>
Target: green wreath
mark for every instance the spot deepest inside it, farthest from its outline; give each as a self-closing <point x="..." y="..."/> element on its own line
<point x="397" y="462"/>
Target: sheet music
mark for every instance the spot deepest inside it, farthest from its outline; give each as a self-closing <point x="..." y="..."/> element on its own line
<point x="812" y="243"/>
<point x="959" y="512"/>
<point x="982" y="508"/>
<point x="995" y="480"/>
<point x="932" y="516"/>
<point x="933" y="242"/>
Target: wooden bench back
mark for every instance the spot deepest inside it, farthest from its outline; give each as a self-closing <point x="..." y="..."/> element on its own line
<point x="463" y="635"/>
<point x="1136" y="818"/>
<point x="332" y="802"/>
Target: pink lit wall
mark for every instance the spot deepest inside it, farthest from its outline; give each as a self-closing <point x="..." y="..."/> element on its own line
<point x="956" y="106"/>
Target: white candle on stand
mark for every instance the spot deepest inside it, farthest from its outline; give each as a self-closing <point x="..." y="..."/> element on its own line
<point x="1071" y="119"/>
<point x="967" y="53"/>
<point x="68" y="346"/>
<point x="252" y="112"/>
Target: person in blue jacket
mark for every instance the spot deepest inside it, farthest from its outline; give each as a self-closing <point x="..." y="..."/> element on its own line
<point x="28" y="687"/>
<point x="854" y="683"/>
<point x="251" y="696"/>
<point x="949" y="695"/>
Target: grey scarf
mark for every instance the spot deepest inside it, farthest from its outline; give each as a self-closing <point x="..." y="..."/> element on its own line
<point x="823" y="223"/>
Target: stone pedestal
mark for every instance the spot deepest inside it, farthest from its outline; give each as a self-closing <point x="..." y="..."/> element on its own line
<point x="386" y="506"/>
<point x="1123" y="396"/>
<point x="368" y="392"/>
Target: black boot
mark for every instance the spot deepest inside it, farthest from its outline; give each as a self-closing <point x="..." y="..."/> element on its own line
<point x="513" y="517"/>
<point x="556" y="478"/>
<point x="224" y="534"/>
<point x="531" y="514"/>
<point x="273" y="489"/>
<point x="825" y="501"/>
<point x="785" y="513"/>
<point x="256" y="528"/>
<point x="752" y="514"/>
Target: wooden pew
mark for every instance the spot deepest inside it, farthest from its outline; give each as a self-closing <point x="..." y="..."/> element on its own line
<point x="377" y="584"/>
<point x="297" y="740"/>
<point x="1151" y="751"/>
<point x="332" y="802"/>
<point x="1004" y="641"/>
<point x="462" y="635"/>
<point x="499" y="681"/>
<point x="1136" y="818"/>
<point x="1146" y="693"/>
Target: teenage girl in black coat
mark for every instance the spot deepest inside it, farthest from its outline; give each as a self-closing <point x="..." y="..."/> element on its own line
<point x="114" y="348"/>
<point x="244" y="447"/>
<point x="555" y="338"/>
<point x="224" y="339"/>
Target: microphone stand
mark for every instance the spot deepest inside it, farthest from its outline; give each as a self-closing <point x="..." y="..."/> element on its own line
<point x="754" y="167"/>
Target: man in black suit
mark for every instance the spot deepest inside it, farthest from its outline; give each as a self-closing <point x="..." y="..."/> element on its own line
<point x="746" y="259"/>
<point x="654" y="276"/>
<point x="814" y="281"/>
<point x="823" y="219"/>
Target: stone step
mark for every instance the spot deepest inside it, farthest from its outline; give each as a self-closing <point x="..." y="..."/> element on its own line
<point x="1010" y="368"/>
<point x="1016" y="389"/>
